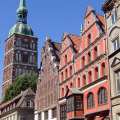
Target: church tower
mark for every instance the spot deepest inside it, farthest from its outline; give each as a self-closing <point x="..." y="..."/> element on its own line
<point x="20" y="49"/>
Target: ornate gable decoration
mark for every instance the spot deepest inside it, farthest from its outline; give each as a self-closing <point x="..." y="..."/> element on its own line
<point x="115" y="62"/>
<point x="89" y="9"/>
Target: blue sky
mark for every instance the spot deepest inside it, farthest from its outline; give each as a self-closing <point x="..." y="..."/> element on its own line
<point x="47" y="17"/>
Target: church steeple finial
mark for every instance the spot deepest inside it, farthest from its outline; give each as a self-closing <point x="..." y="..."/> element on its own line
<point x="21" y="26"/>
<point x="22" y="12"/>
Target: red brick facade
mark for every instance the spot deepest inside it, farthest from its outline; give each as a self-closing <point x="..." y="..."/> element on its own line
<point x="83" y="65"/>
<point x="20" y="58"/>
<point x="48" y="83"/>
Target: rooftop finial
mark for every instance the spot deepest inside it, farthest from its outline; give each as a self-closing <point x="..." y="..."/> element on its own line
<point x="22" y="12"/>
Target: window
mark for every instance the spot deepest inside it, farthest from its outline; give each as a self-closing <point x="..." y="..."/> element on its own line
<point x="102" y="96"/>
<point x="62" y="92"/>
<point x="18" y="43"/>
<point x="89" y="39"/>
<point x="18" y="57"/>
<point x="89" y="57"/>
<point x="83" y="61"/>
<point x="117" y="78"/>
<point x="65" y="59"/>
<point x="79" y="102"/>
<point x="46" y="115"/>
<point x="89" y="76"/>
<point x="96" y="73"/>
<point x="70" y="104"/>
<point x="62" y="76"/>
<point x="66" y="73"/>
<point x="25" y="57"/>
<point x="63" y="111"/>
<point x="33" y="46"/>
<point x="71" y="85"/>
<point x="103" y="69"/>
<point x="116" y="44"/>
<point x="32" y="59"/>
<point x="78" y="82"/>
<point x="54" y="112"/>
<point x="28" y="103"/>
<point x="67" y="88"/>
<point x="39" y="116"/>
<point x="70" y="70"/>
<point x="25" y="44"/>
<point x="90" y="101"/>
<point x="84" y="80"/>
<point x="95" y="52"/>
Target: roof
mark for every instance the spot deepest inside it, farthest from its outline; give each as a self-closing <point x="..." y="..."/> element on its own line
<point x="75" y="91"/>
<point x="76" y="41"/>
<point x="21" y="28"/>
<point x="17" y="98"/>
<point x="108" y="5"/>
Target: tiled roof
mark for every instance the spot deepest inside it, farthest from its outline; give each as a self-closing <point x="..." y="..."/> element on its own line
<point x="102" y="19"/>
<point x="76" y="41"/>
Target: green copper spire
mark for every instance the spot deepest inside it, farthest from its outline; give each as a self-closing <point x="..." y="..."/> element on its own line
<point x="22" y="12"/>
<point x="21" y="27"/>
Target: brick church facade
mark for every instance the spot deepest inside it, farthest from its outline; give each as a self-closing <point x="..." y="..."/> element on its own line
<point x="20" y="49"/>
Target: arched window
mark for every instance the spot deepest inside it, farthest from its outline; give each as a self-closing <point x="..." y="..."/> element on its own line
<point x="90" y="100"/>
<point x="103" y="70"/>
<point x="102" y="96"/>
<point x="78" y="82"/>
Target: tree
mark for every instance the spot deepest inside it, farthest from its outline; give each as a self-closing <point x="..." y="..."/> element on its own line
<point x="21" y="83"/>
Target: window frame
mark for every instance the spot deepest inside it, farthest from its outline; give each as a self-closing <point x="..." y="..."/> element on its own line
<point x="90" y="101"/>
<point x="116" y="43"/>
<point x="116" y="80"/>
<point x="102" y="96"/>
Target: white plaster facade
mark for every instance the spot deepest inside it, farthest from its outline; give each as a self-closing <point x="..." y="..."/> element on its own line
<point x="42" y="115"/>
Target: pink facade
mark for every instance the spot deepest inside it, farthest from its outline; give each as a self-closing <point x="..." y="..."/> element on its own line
<point x="84" y="65"/>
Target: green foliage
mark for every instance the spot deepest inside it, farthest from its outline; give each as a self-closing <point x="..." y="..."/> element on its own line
<point x="21" y="83"/>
